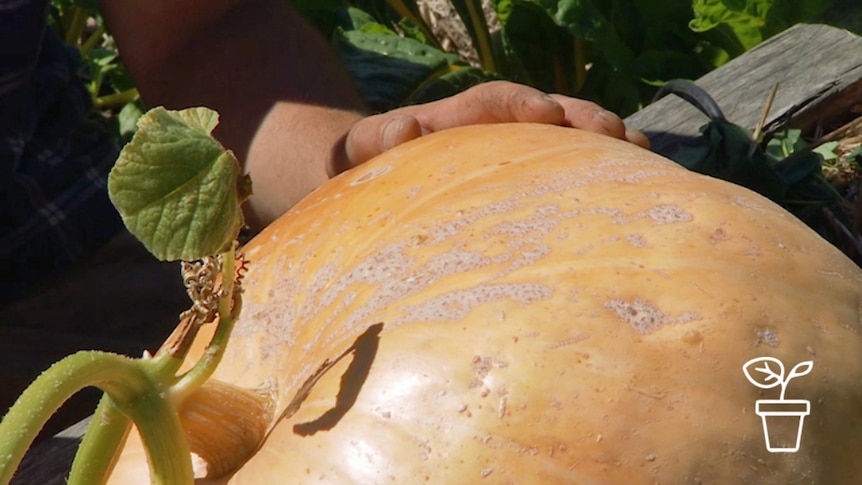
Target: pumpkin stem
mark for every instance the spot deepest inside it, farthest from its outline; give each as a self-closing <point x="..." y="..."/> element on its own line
<point x="225" y="425"/>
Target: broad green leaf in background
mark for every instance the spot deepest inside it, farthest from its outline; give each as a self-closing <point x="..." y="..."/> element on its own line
<point x="585" y="19"/>
<point x="740" y="21"/>
<point x="400" y="16"/>
<point x="570" y="47"/>
<point x="541" y="52"/>
<point x="412" y="23"/>
<point x="739" y="25"/>
<point x="177" y="189"/>
<point x="356" y="19"/>
<point x="613" y="52"/>
<point x="392" y="71"/>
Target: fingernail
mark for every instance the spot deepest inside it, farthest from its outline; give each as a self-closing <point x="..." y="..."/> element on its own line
<point x="603" y="116"/>
<point x="545" y="100"/>
<point x="541" y="108"/>
<point x="393" y="132"/>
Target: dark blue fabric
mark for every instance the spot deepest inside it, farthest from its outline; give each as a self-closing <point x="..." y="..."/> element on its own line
<point x="54" y="154"/>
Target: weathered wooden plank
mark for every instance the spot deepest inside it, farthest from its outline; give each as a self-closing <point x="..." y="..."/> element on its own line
<point x="819" y="71"/>
<point x="49" y="462"/>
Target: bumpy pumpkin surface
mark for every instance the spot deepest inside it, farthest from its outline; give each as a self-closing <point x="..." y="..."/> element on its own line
<point x="556" y="307"/>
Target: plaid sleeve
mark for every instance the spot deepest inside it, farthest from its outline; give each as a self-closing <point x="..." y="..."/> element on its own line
<point x="54" y="154"/>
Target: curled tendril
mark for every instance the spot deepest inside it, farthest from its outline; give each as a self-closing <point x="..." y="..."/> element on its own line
<point x="241" y="269"/>
<point x="203" y="285"/>
<point x="201" y="280"/>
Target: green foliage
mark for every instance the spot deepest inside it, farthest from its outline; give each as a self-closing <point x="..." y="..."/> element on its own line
<point x="177" y="189"/>
<point x="739" y="25"/>
<point x="179" y="193"/>
<point x="726" y="151"/>
<point x="846" y="14"/>
<point x="391" y="70"/>
<point x="80" y="24"/>
<point x="615" y="52"/>
<point x="476" y="24"/>
<point x="785" y="167"/>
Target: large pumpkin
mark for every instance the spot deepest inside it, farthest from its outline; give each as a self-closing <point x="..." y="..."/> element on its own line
<point x="557" y="307"/>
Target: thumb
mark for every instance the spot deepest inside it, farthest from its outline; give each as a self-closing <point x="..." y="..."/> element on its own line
<point x="374" y="135"/>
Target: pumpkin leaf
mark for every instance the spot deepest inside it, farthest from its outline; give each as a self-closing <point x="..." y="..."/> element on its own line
<point x="177" y="189"/>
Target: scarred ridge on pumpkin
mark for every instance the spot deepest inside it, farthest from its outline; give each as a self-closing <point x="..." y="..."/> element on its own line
<point x="645" y="317"/>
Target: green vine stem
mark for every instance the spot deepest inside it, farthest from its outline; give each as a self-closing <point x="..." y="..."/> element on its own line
<point x="116" y="99"/>
<point x="168" y="452"/>
<point x="110" y="426"/>
<point x="93" y="40"/>
<point x="75" y="27"/>
<point x="107" y="431"/>
<point x="117" y="375"/>
<point x="229" y="307"/>
<point x="148" y="391"/>
<point x="137" y="389"/>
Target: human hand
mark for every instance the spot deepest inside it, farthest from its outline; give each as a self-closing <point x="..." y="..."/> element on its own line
<point x="492" y="102"/>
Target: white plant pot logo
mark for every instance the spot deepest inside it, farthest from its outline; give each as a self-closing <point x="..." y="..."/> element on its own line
<point x="779" y="414"/>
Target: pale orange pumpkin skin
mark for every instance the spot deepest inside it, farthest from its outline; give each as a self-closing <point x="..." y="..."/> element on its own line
<point x="557" y="307"/>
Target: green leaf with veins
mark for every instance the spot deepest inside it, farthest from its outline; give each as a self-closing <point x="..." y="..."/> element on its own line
<point x="177" y="188"/>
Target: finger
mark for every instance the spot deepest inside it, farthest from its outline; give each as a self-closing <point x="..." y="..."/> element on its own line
<point x="491" y="102"/>
<point x="638" y="138"/>
<point x="588" y="115"/>
<point x="373" y="135"/>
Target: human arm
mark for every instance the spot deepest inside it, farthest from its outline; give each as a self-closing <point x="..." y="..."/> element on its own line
<point x="285" y="101"/>
<point x="288" y="108"/>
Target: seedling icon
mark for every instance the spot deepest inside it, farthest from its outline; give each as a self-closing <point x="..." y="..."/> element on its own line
<point x="774" y="411"/>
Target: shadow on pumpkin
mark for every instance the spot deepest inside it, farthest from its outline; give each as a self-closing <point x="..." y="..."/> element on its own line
<point x="364" y="351"/>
